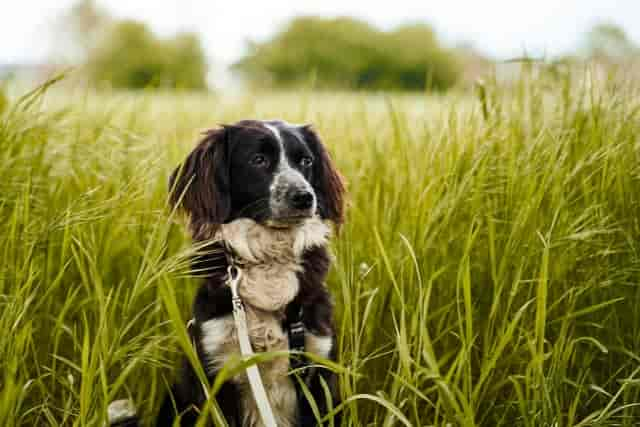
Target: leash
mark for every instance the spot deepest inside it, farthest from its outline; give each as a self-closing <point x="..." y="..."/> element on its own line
<point x="234" y="274"/>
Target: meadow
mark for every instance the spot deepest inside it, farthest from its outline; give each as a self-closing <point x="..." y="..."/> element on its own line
<point x="488" y="272"/>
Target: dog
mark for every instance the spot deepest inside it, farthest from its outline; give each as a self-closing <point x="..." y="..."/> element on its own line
<point x="264" y="196"/>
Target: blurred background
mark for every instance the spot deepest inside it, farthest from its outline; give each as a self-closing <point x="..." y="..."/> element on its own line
<point x="202" y="45"/>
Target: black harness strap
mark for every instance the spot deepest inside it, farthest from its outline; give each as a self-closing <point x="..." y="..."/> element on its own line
<point x="299" y="362"/>
<point x="295" y="331"/>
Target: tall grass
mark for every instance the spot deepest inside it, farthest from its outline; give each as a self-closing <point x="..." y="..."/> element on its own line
<point x="488" y="273"/>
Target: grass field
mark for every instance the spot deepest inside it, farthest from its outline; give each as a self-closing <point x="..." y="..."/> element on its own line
<point x="488" y="273"/>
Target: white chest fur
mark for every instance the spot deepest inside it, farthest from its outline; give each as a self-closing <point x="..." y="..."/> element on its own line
<point x="271" y="259"/>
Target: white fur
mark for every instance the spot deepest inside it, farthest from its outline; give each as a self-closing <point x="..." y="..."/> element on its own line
<point x="282" y="397"/>
<point x="120" y="410"/>
<point x="275" y="131"/>
<point x="215" y="333"/>
<point x="285" y="177"/>
<point x="283" y="165"/>
<point x="314" y="233"/>
<point x="317" y="344"/>
<point x="255" y="243"/>
<point x="269" y="259"/>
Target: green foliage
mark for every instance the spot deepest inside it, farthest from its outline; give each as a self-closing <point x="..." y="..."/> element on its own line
<point x="487" y="273"/>
<point x="343" y="52"/>
<point x="130" y="56"/>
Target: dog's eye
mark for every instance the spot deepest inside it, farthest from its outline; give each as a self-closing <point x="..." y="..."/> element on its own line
<point x="259" y="160"/>
<point x="306" y="161"/>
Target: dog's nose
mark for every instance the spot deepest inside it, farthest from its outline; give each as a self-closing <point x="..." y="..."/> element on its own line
<point x="302" y="199"/>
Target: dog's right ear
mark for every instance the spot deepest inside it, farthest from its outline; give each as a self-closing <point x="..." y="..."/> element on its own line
<point x="200" y="185"/>
<point x="328" y="183"/>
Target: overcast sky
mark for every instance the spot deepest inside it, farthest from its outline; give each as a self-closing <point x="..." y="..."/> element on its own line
<point x="501" y="28"/>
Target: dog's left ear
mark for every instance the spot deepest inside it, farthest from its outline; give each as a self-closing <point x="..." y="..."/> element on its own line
<point x="200" y="186"/>
<point x="327" y="181"/>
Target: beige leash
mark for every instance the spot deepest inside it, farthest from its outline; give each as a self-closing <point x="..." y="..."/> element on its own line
<point x="234" y="274"/>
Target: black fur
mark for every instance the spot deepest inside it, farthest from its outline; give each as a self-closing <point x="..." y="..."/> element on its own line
<point x="214" y="300"/>
<point x="217" y="182"/>
<point x="229" y="175"/>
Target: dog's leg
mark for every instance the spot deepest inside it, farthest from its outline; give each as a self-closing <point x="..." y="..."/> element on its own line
<point x="319" y="379"/>
<point x="320" y="340"/>
<point x="212" y="304"/>
<point x="184" y="400"/>
<point x="317" y="390"/>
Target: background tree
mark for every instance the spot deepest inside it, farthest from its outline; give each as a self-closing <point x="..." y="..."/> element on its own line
<point x="131" y="57"/>
<point x="348" y="53"/>
<point x="126" y="54"/>
<point x="186" y="65"/>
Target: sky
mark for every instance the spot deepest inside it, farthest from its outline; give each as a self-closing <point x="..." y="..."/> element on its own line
<point x="502" y="29"/>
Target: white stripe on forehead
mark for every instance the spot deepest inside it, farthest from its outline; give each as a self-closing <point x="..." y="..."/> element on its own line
<point x="284" y="163"/>
<point x="275" y="131"/>
<point x="285" y="178"/>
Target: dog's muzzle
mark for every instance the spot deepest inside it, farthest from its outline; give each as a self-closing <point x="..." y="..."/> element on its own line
<point x="292" y="197"/>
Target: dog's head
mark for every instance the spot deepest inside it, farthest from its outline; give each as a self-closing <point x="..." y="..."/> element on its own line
<point x="270" y="171"/>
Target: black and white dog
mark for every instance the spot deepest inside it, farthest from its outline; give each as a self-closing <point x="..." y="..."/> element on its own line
<point x="263" y="194"/>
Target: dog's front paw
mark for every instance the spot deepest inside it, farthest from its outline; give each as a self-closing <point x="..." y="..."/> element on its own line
<point x="122" y="413"/>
